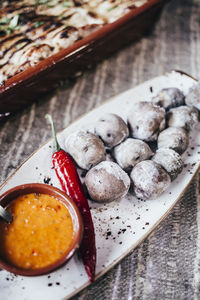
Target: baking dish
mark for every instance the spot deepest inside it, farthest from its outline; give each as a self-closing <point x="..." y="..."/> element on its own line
<point x="25" y="87"/>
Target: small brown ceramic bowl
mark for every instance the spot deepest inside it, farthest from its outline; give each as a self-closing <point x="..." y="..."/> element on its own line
<point x="13" y="193"/>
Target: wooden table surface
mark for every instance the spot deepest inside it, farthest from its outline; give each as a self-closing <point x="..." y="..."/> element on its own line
<point x="167" y="264"/>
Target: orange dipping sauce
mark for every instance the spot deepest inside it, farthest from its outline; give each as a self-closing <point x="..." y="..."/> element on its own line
<point x="40" y="234"/>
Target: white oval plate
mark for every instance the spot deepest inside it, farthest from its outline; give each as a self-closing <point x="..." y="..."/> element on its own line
<point x="119" y="226"/>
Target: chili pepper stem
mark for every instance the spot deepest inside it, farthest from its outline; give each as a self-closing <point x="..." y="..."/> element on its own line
<point x="57" y="146"/>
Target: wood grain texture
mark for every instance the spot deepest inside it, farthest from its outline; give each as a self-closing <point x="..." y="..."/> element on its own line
<point x="167" y="264"/>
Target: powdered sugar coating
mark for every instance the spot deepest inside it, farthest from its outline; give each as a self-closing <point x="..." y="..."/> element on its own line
<point x="111" y="129"/>
<point x="183" y="116"/>
<point x="86" y="149"/>
<point x="149" y="179"/>
<point x="130" y="152"/>
<point x="107" y="182"/>
<point x="169" y="97"/>
<point x="170" y="160"/>
<point x="193" y="96"/>
<point x="175" y="138"/>
<point x="146" y="120"/>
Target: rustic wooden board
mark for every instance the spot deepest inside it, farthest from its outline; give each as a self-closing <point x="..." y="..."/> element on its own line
<point x="128" y="221"/>
<point x="165" y="265"/>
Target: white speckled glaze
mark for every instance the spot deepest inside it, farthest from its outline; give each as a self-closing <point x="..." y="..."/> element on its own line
<point x="133" y="218"/>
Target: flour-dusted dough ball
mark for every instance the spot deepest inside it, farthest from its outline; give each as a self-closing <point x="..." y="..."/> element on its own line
<point x="111" y="129"/>
<point x="107" y="182"/>
<point x="183" y="116"/>
<point x="146" y="120"/>
<point x="169" y="97"/>
<point x="86" y="149"/>
<point x="175" y="138"/>
<point x="170" y="160"/>
<point x="149" y="180"/>
<point x="130" y="152"/>
<point x="193" y="96"/>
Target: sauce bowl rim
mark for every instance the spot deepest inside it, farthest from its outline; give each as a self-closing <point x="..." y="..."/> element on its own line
<point x="42" y="188"/>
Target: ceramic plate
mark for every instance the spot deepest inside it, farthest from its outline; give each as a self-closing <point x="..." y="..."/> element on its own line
<point x="119" y="226"/>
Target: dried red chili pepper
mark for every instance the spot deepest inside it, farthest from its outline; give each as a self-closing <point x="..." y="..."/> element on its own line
<point x="71" y="185"/>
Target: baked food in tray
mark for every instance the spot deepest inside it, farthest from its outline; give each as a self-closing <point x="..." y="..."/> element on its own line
<point x="33" y="30"/>
<point x="54" y="40"/>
